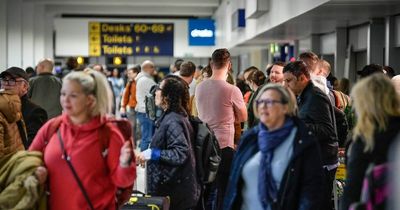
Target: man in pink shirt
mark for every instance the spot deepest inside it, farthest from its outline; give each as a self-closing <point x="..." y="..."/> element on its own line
<point x="220" y="104"/>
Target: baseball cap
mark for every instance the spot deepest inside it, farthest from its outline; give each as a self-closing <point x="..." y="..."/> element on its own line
<point x="15" y="72"/>
<point x="370" y="69"/>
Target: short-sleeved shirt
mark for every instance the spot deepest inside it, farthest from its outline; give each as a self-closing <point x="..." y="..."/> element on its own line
<point x="219" y="104"/>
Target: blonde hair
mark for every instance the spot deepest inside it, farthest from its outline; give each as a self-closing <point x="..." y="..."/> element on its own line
<point x="287" y="97"/>
<point x="374" y="100"/>
<point x="96" y="84"/>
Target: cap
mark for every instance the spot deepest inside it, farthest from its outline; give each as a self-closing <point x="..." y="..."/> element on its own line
<point x="370" y="69"/>
<point x="15" y="72"/>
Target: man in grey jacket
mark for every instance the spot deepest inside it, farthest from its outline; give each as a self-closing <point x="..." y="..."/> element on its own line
<point x="45" y="88"/>
<point x="144" y="82"/>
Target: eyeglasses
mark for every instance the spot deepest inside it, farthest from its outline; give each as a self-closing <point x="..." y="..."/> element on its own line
<point x="158" y="87"/>
<point x="10" y="81"/>
<point x="267" y="102"/>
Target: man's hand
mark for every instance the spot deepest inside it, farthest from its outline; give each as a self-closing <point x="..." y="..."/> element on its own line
<point x="41" y="174"/>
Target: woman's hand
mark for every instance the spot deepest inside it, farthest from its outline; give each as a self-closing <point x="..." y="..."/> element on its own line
<point x="126" y="155"/>
<point x="144" y="156"/>
<point x="41" y="174"/>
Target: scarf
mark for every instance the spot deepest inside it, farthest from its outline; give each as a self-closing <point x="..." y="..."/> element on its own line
<point x="267" y="142"/>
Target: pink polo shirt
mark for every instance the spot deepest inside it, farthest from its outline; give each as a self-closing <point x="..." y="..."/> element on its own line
<point x="220" y="104"/>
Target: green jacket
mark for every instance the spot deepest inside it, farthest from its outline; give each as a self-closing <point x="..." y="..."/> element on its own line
<point x="19" y="188"/>
<point x="44" y="90"/>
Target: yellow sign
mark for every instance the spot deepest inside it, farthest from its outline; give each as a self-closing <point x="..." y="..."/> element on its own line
<point x="94" y="27"/>
<point x="341" y="172"/>
<point x="94" y="39"/>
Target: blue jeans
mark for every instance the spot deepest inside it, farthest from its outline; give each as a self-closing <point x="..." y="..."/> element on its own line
<point x="147" y="127"/>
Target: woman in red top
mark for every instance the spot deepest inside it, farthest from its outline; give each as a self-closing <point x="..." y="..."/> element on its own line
<point x="85" y="98"/>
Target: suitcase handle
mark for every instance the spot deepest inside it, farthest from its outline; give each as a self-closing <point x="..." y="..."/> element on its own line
<point x="138" y="192"/>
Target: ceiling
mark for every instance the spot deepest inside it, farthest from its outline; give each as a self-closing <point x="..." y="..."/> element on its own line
<point x="143" y="8"/>
<point x="323" y="19"/>
<point x="326" y="18"/>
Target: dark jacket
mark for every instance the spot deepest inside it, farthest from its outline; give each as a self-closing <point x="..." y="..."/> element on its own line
<point x="358" y="160"/>
<point x="251" y="119"/>
<point x="316" y="111"/>
<point x="34" y="117"/>
<point x="174" y="174"/>
<point x="44" y="90"/>
<point x="302" y="181"/>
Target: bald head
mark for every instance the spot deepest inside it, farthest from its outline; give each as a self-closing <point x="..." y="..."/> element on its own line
<point x="45" y="65"/>
<point x="148" y="67"/>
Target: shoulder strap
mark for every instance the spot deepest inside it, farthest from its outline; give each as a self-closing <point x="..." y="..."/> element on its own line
<point x="53" y="127"/>
<point x="69" y="163"/>
<point x="22" y="132"/>
<point x="104" y="138"/>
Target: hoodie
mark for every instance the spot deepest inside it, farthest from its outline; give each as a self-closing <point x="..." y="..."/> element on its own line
<point x="98" y="171"/>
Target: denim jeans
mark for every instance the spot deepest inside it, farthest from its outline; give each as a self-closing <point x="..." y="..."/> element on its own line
<point x="147" y="127"/>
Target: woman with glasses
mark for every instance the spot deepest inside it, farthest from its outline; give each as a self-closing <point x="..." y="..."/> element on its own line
<point x="278" y="163"/>
<point x="171" y="168"/>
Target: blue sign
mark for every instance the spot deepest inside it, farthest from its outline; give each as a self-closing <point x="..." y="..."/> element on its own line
<point x="201" y="32"/>
<point x="241" y="18"/>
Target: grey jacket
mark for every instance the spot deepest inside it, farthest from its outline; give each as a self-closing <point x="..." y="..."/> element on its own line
<point x="144" y="82"/>
<point x="45" y="91"/>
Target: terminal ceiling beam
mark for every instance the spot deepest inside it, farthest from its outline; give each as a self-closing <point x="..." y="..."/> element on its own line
<point x="130" y="10"/>
<point x="163" y="3"/>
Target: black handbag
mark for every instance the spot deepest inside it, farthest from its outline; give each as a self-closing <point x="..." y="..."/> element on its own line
<point x="141" y="201"/>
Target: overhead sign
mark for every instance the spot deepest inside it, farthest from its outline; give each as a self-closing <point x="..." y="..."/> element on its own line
<point x="123" y="39"/>
<point x="201" y="32"/>
<point x="238" y="19"/>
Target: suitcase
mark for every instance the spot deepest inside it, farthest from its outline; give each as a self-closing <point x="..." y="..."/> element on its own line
<point x="141" y="201"/>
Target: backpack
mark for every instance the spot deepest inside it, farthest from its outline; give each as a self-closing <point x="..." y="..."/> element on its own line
<point x="150" y="102"/>
<point x="375" y="190"/>
<point x="342" y="126"/>
<point x="206" y="150"/>
<point x="124" y="126"/>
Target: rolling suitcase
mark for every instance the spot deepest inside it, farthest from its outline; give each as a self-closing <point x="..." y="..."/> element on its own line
<point x="141" y="201"/>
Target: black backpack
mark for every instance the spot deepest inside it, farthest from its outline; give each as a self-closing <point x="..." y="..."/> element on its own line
<point x="150" y="102"/>
<point x="342" y="126"/>
<point x="206" y="150"/>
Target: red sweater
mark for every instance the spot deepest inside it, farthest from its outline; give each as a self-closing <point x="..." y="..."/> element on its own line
<point x="99" y="175"/>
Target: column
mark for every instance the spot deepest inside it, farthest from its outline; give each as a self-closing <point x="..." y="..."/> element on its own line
<point x="340" y="51"/>
<point x="315" y="44"/>
<point x="14" y="33"/>
<point x="392" y="51"/>
<point x="28" y="35"/>
<point x="3" y="35"/>
<point x="39" y="31"/>
<point x="376" y="41"/>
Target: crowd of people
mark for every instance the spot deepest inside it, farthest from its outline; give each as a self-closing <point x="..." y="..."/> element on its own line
<point x="279" y="132"/>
